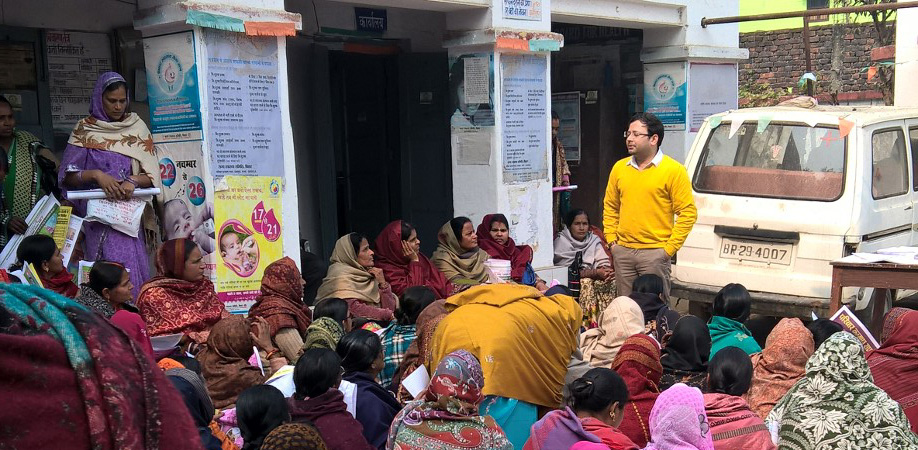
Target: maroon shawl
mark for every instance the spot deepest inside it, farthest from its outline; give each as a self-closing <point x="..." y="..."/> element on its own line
<point x="895" y="364"/>
<point x="281" y="300"/>
<point x="339" y="429"/>
<point x="518" y="256"/>
<point x="401" y="272"/>
<point x="733" y="424"/>
<point x="638" y="363"/>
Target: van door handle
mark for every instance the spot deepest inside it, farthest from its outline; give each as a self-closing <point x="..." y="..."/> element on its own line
<point x="909" y="207"/>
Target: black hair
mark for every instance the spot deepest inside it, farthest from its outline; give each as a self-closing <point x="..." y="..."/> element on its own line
<point x="730" y="372"/>
<point x="5" y="101"/>
<point x="822" y="329"/>
<point x="358" y="349"/>
<point x="653" y="124"/>
<point x="648" y="284"/>
<point x="259" y="410"/>
<point x="105" y="275"/>
<point x="313" y="269"/>
<point x="35" y="249"/>
<point x="498" y="218"/>
<point x="559" y="289"/>
<point x="597" y="389"/>
<point x="406" y="230"/>
<point x="555" y="115"/>
<point x="359" y="322"/>
<point x="571" y="216"/>
<point x="414" y="300"/>
<point x="334" y="308"/>
<point x="189" y="362"/>
<point x="115" y="86"/>
<point x="456" y="223"/>
<point x="316" y="372"/>
<point x="733" y="302"/>
<point x="356" y="239"/>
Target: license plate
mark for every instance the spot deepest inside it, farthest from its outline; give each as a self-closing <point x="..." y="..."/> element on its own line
<point x="756" y="251"/>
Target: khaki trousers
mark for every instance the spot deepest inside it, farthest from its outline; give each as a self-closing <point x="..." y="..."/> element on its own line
<point x="630" y="263"/>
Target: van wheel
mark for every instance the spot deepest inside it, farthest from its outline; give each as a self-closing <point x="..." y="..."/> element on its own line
<point x="872" y="315"/>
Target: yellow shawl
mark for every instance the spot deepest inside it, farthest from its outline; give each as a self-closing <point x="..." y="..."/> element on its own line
<point x="346" y="278"/>
<point x="446" y="258"/>
<point x="523" y="340"/>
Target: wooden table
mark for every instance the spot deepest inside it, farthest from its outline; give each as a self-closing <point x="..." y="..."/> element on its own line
<point x="885" y="277"/>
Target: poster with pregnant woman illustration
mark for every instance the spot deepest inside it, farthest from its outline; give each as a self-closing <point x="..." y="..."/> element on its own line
<point x="247" y="215"/>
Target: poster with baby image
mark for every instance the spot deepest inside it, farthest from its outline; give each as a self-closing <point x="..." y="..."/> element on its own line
<point x="248" y="218"/>
<point x="188" y="205"/>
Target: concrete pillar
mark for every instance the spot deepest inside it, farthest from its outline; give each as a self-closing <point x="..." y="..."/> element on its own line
<point x="906" y="93"/>
<point x="500" y="128"/>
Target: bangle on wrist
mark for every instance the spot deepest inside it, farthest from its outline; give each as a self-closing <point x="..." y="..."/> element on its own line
<point x="272" y="353"/>
<point x="130" y="180"/>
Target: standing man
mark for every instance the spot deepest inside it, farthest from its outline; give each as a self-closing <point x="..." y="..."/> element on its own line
<point x="644" y="192"/>
<point x="561" y="173"/>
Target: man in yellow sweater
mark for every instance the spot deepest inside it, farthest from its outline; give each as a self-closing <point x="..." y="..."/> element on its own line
<point x="645" y="192"/>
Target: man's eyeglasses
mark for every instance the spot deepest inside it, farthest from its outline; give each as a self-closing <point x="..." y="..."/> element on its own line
<point x="635" y="134"/>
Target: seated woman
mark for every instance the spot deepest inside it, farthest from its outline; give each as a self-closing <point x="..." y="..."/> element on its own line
<point x="57" y="356"/>
<point x="362" y="359"/>
<point x="458" y="256"/>
<point x="621" y="319"/>
<point x="200" y="408"/>
<point x="780" y="365"/>
<point x="42" y="254"/>
<point x="331" y="321"/>
<point x="836" y="403"/>
<point x="259" y="410"/>
<point x="398" y="336"/>
<point x="583" y="252"/>
<point x="822" y="329"/>
<point x="731" y="308"/>
<point x="638" y="363"/>
<point x="685" y="354"/>
<point x="181" y="299"/>
<point x="294" y="436"/>
<point x="398" y="254"/>
<point x="353" y="277"/>
<point x="678" y="421"/>
<point x="895" y="364"/>
<point x="494" y="238"/>
<point x="419" y="352"/>
<point x="447" y="416"/>
<point x="317" y="400"/>
<point x="648" y="292"/>
<point x="281" y="304"/>
<point x="225" y="359"/>
<point x="108" y="292"/>
<point x="516" y="327"/>
<point x="733" y="424"/>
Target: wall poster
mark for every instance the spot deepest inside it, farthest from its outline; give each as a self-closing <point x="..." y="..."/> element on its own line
<point x="75" y="61"/>
<point x="525" y="117"/>
<point x="471" y="91"/>
<point x="567" y="106"/>
<point x="172" y="87"/>
<point x="708" y="96"/>
<point x="665" y="93"/>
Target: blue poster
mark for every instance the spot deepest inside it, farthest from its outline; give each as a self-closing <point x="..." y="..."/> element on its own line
<point x="665" y="93"/>
<point x="172" y="86"/>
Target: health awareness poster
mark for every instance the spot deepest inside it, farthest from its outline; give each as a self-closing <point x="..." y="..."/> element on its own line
<point x="664" y="93"/>
<point x="248" y="230"/>
<point x="172" y="87"/>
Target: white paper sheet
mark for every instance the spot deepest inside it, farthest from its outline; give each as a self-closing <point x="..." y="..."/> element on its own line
<point x="123" y="216"/>
<point x="417" y="381"/>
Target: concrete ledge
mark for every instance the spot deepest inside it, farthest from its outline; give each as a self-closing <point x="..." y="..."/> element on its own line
<point x="699" y="53"/>
<point x="618" y="13"/>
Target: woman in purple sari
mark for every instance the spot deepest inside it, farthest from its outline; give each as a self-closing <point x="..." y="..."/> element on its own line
<point x="112" y="149"/>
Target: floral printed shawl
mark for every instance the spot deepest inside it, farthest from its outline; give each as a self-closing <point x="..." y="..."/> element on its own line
<point x="836" y="404"/>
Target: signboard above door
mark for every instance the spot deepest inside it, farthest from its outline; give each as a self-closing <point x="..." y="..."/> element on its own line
<point x="371" y="19"/>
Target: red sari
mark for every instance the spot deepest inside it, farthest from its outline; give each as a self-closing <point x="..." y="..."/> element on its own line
<point x="518" y="255"/>
<point x="895" y="364"/>
<point x="402" y="273"/>
<point x="638" y="363"/>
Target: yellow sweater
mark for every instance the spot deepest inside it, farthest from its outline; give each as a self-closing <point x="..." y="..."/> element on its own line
<point x="639" y="206"/>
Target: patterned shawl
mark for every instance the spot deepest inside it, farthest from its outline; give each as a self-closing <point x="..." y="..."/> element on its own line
<point x="85" y="383"/>
<point x="22" y="185"/>
<point x="92" y="300"/>
<point x="281" y="300"/>
<point x="325" y="332"/>
<point x="836" y="404"/>
<point x="638" y="363"/>
<point x="620" y="320"/>
<point x="780" y="364"/>
<point x="346" y="277"/>
<point x="895" y="364"/>
<point x="678" y="421"/>
<point x="225" y="361"/>
<point x="402" y="273"/>
<point x="293" y="436"/>
<point x="454" y="262"/>
<point x="447" y="418"/>
<point x="518" y="255"/>
<point x="169" y="304"/>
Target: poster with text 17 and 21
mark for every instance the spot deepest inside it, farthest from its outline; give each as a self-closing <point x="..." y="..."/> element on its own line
<point x="247" y="214"/>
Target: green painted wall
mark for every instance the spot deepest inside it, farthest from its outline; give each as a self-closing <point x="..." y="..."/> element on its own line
<point x="752" y="7"/>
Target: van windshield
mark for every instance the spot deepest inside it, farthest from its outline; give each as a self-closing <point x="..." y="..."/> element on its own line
<point x="793" y="161"/>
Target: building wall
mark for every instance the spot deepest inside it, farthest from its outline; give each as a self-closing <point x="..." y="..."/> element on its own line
<point x="78" y="15"/>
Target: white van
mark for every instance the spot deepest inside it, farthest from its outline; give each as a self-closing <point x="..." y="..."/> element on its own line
<point x="782" y="191"/>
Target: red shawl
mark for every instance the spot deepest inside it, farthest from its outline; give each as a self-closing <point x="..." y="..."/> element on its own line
<point x="169" y="304"/>
<point x="402" y="273"/>
<point x="281" y="300"/>
<point x="895" y="364"/>
<point x="734" y="425"/>
<point x="518" y="256"/>
<point x="638" y="363"/>
<point x="614" y="439"/>
<point x="62" y="283"/>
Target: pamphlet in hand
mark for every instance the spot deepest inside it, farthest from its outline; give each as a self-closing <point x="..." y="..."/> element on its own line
<point x="417" y="381"/>
<point x="846" y="318"/>
<point x="31" y="276"/>
<point x="124" y="216"/>
<point x="42" y="219"/>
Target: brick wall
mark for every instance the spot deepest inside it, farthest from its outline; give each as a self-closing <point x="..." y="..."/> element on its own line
<point x="838" y="53"/>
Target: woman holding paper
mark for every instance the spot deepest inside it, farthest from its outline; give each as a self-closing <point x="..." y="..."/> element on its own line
<point x="40" y="252"/>
<point x="112" y="149"/>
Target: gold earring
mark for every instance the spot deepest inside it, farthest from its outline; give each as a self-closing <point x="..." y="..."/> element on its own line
<point x="612" y="415"/>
